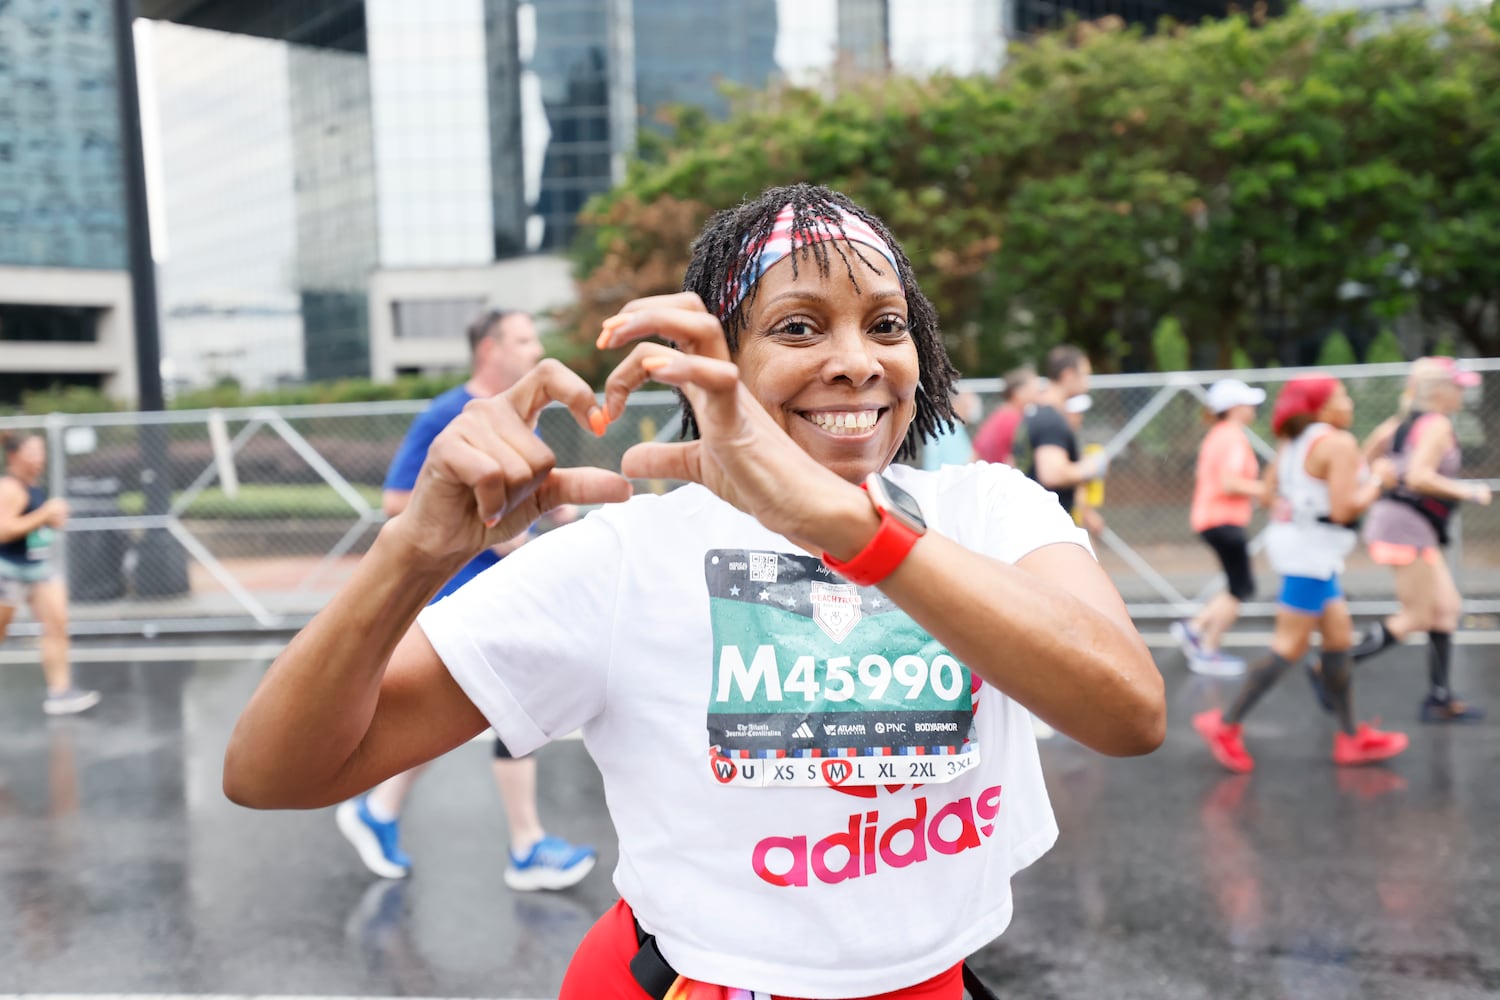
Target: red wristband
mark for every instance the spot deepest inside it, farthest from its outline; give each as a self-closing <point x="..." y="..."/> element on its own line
<point x="880" y="557"/>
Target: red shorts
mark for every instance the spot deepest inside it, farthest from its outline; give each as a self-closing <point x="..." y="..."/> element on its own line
<point x="600" y="969"/>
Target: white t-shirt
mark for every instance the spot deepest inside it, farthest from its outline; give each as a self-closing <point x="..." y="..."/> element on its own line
<point x="632" y="625"/>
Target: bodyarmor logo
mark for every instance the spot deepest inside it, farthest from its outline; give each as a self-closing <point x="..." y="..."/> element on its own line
<point x="835" y="609"/>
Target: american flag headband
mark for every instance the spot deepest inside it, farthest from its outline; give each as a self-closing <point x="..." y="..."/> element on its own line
<point x="837" y="224"/>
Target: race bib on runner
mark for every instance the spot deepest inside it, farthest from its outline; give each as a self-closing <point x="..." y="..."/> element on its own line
<point x="818" y="682"/>
<point x="39" y="543"/>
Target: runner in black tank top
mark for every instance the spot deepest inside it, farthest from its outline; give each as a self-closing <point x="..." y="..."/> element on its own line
<point x="28" y="523"/>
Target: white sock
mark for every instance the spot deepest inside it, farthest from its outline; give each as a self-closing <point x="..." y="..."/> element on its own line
<point x="377" y="811"/>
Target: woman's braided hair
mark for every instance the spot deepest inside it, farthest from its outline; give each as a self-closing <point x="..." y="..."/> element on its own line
<point x="721" y="250"/>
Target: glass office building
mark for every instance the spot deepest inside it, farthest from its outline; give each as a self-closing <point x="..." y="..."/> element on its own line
<point x="684" y="51"/>
<point x="350" y="139"/>
<point x="64" y="297"/>
<point x="267" y="195"/>
<point x="312" y="155"/>
<point x="334" y="172"/>
<point x="61" y="194"/>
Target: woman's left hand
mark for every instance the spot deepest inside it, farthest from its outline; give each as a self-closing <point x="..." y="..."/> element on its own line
<point x="1383" y="471"/>
<point x="741" y="454"/>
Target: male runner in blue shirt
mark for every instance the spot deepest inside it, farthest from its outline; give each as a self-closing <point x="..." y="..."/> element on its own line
<point x="504" y="346"/>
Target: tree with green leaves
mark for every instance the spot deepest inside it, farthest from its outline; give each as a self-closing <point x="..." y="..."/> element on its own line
<point x="1260" y="185"/>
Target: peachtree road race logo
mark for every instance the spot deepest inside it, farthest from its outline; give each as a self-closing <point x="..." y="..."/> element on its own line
<point x="835" y="608"/>
<point x="869" y="841"/>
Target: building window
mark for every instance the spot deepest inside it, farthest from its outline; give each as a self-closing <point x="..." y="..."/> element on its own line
<point x="50" y="324"/>
<point x="435" y="319"/>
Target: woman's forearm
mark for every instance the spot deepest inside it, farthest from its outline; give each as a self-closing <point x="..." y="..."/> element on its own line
<point x="1043" y="644"/>
<point x="1435" y="485"/>
<point x="1241" y="487"/>
<point x="1347" y="511"/>
<point x="315" y="704"/>
<point x="22" y="525"/>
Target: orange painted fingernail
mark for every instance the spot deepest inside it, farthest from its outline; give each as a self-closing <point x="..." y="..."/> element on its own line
<point x="655" y="364"/>
<point x="492" y="520"/>
<point x="598" y="421"/>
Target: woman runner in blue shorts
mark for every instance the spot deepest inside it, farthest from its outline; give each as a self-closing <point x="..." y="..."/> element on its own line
<point x="1321" y="487"/>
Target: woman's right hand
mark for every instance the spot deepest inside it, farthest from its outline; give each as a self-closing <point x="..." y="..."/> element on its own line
<point x="741" y="453"/>
<point x="1481" y="494"/>
<point x="488" y="476"/>
<point x="55" y="513"/>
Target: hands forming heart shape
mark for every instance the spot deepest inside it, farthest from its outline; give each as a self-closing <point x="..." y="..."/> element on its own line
<point x="488" y="476"/>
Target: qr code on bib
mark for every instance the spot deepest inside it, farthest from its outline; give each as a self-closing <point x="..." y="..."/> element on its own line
<point x="763" y="567"/>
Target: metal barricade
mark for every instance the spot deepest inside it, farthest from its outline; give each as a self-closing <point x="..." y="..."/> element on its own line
<point x="267" y="510"/>
<point x="1151" y="426"/>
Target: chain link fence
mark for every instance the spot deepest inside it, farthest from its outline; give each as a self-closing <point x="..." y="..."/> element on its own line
<point x="249" y="519"/>
<point x="1151" y="426"/>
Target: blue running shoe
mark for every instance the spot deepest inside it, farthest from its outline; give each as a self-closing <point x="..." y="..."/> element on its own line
<point x="552" y="864"/>
<point x="378" y="844"/>
<point x="1187" y="638"/>
<point x="1216" y="664"/>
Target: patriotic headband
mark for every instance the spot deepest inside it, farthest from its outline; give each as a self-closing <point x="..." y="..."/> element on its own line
<point x="783" y="239"/>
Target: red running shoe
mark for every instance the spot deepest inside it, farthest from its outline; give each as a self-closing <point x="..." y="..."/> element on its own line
<point x="1224" y="741"/>
<point x="1366" y="746"/>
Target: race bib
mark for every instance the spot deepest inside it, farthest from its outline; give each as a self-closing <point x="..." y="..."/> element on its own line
<point x="39" y="543"/>
<point x="818" y="682"/>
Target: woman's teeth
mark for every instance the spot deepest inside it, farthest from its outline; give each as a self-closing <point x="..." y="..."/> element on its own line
<point x="845" y="421"/>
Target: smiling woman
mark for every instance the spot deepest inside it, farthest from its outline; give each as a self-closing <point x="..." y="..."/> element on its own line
<point x="805" y="677"/>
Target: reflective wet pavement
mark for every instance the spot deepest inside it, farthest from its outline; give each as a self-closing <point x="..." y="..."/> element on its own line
<point x="123" y="869"/>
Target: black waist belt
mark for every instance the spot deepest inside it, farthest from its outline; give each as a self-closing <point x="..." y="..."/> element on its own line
<point x="648" y="968"/>
<point x="655" y="975"/>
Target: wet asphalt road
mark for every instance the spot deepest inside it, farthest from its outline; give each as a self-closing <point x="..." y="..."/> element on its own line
<point x="124" y="870"/>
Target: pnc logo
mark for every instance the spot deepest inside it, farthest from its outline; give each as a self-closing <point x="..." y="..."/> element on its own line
<point x="866" y="844"/>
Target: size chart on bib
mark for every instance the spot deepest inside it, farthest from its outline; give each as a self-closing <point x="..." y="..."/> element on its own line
<point x="818" y="682"/>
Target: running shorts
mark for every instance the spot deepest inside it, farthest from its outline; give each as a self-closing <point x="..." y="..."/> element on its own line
<point x="1233" y="549"/>
<point x="1308" y="595"/>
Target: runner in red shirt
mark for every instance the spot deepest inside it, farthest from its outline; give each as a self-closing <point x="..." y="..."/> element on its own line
<point x="996" y="439"/>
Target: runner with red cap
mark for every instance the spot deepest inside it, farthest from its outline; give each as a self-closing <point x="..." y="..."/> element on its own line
<point x="1321" y="487"/>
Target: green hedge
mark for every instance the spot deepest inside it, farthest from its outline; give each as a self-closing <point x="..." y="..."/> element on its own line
<point x="81" y="399"/>
<point x="265" y="502"/>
